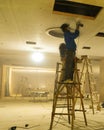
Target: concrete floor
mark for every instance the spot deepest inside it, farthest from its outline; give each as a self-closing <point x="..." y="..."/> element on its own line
<point x="18" y="112"/>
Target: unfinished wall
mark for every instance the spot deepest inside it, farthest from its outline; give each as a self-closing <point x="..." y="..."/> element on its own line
<point x="26" y="82"/>
<point x="101" y="79"/>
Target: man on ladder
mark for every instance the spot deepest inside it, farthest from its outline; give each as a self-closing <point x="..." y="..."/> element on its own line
<point x="69" y="62"/>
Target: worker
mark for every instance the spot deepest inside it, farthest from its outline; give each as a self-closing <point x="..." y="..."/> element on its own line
<point x="70" y="54"/>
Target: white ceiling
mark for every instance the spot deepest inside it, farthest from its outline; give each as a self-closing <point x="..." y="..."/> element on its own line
<point x="28" y="20"/>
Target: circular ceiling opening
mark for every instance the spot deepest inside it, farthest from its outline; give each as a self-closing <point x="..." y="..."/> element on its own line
<point x="55" y="32"/>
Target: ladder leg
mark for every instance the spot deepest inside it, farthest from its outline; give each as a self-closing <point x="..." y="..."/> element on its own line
<point x="71" y="104"/>
<point x="83" y="107"/>
<point x="53" y="111"/>
<point x="73" y="107"/>
<point x="55" y="97"/>
<point x="78" y="86"/>
<point x="68" y="103"/>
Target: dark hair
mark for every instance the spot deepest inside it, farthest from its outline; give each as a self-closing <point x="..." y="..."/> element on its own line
<point x="64" y="27"/>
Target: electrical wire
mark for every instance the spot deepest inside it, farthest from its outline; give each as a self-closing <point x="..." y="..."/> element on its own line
<point x="26" y="127"/>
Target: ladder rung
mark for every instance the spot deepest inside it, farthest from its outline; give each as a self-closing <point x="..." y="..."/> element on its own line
<point x="59" y="71"/>
<point x="59" y="63"/>
<point x="79" y="97"/>
<point x="92" y="83"/>
<point x="65" y="83"/>
<point x="70" y="97"/>
<point x="66" y="97"/>
<point x="70" y="109"/>
<point x="62" y="114"/>
<point x="63" y="106"/>
<point x="77" y="69"/>
<point x="74" y="83"/>
<point x="94" y="92"/>
<point x="79" y="110"/>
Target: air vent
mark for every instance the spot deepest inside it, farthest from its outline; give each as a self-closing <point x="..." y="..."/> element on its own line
<point x="100" y="34"/>
<point x="86" y="47"/>
<point x="75" y="8"/>
<point x="30" y="42"/>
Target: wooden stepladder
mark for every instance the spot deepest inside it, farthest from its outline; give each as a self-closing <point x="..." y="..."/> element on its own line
<point x="64" y="100"/>
<point x="89" y="82"/>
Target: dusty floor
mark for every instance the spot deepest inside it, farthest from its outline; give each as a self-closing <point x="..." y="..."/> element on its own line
<point x="19" y="112"/>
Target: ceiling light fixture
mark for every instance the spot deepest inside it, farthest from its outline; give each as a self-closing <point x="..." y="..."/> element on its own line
<point x="37" y="57"/>
<point x="55" y="32"/>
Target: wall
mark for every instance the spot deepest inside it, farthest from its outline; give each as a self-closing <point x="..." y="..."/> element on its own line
<point x="0" y="80"/>
<point x="22" y="81"/>
<point x="26" y="81"/>
<point x="101" y="79"/>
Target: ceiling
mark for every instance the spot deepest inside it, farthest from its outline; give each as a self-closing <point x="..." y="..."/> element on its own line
<point x="30" y="20"/>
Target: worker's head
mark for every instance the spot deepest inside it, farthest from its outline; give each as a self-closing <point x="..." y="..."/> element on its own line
<point x="64" y="27"/>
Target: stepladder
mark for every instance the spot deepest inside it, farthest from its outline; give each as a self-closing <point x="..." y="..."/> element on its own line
<point x="64" y="101"/>
<point x="89" y="84"/>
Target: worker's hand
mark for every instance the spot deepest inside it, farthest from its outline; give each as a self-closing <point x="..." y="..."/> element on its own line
<point x="78" y="24"/>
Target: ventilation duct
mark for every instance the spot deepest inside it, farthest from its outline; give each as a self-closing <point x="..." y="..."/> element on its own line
<point x="76" y="9"/>
<point x="86" y="47"/>
<point x="30" y="42"/>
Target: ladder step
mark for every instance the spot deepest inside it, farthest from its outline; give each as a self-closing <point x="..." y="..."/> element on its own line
<point x="63" y="97"/>
<point x="94" y="92"/>
<point x="79" y="110"/>
<point x="69" y="109"/>
<point x="59" y="63"/>
<point x="65" y="83"/>
<point x="62" y="114"/>
<point x="68" y="113"/>
<point x="62" y="106"/>
<point x="93" y="83"/>
<point x="59" y="71"/>
<point x="71" y="83"/>
<point x="95" y="101"/>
